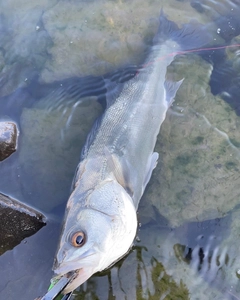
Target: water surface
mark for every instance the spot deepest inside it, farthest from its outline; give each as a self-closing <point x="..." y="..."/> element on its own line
<point x="55" y="60"/>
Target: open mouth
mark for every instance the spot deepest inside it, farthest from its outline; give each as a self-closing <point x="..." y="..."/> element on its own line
<point x="69" y="277"/>
<point x="74" y="279"/>
<point x="58" y="285"/>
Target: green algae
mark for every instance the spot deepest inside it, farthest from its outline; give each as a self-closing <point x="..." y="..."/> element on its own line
<point x="154" y="269"/>
<point x="198" y="140"/>
<point x="164" y="285"/>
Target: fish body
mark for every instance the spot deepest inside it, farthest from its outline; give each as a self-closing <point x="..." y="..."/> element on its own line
<point x="116" y="164"/>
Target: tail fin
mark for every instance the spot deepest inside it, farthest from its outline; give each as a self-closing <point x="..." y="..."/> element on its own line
<point x="190" y="36"/>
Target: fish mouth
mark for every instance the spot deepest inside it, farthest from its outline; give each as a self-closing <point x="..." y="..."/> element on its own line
<point x="76" y="278"/>
<point x="77" y="271"/>
<point x="72" y="265"/>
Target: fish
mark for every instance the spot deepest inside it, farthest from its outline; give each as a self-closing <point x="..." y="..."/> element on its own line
<point x="117" y="162"/>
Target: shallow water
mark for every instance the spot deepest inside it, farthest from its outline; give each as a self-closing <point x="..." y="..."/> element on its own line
<point x="55" y="60"/>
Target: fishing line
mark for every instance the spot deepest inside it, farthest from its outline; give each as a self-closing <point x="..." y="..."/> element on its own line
<point x="191" y="51"/>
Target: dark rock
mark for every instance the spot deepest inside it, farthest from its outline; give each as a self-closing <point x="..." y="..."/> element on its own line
<point x="198" y="6"/>
<point x="8" y="139"/>
<point x="17" y="221"/>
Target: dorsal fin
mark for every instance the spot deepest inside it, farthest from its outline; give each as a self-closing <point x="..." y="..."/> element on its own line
<point x="91" y="136"/>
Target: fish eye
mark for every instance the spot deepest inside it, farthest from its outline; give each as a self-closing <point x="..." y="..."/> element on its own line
<point x="78" y="239"/>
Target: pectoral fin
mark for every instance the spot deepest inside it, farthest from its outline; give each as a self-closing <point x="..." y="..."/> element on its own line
<point x="119" y="170"/>
<point x="152" y="163"/>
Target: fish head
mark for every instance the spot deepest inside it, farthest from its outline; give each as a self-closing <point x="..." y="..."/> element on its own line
<point x="95" y="235"/>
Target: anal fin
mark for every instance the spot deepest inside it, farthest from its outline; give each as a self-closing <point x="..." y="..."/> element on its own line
<point x="152" y="163"/>
<point x="171" y="90"/>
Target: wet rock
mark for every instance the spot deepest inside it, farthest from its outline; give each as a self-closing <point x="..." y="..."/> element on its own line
<point x="17" y="221"/>
<point x="152" y="270"/>
<point x="224" y="14"/>
<point x="198" y="6"/>
<point x="116" y="33"/>
<point x="228" y="74"/>
<point x="233" y="53"/>
<point x="23" y="46"/>
<point x="212" y="253"/>
<point x="229" y="267"/>
<point x="53" y="38"/>
<point x="55" y="137"/>
<point x="8" y="139"/>
<point x="197" y="177"/>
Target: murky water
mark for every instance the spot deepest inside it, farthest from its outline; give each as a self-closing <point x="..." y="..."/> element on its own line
<point x="55" y="58"/>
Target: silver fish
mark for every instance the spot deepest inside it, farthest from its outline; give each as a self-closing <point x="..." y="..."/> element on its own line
<point x="117" y="163"/>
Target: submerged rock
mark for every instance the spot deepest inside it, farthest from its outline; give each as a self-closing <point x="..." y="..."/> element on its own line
<point x="152" y="270"/>
<point x="233" y="54"/>
<point x="52" y="140"/>
<point x="17" y="221"/>
<point x="8" y="139"/>
<point x="197" y="177"/>
<point x="117" y="32"/>
<point x="23" y="44"/>
<point x="228" y="252"/>
<point x="215" y="255"/>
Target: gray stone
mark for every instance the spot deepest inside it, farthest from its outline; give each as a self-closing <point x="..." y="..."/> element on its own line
<point x="115" y="31"/>
<point x="8" y="139"/>
<point x="17" y="221"/>
<point x="152" y="270"/>
<point x="23" y="45"/>
<point x="55" y="138"/>
<point x="197" y="176"/>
